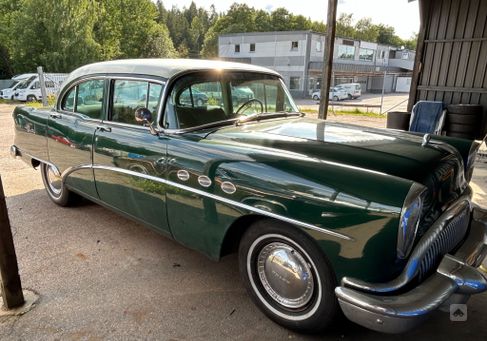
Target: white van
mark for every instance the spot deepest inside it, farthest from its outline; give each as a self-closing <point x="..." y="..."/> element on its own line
<point x="8" y="93"/>
<point x="30" y="90"/>
<point x="354" y="90"/>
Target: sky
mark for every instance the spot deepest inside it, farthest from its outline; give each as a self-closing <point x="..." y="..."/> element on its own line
<point x="400" y="14"/>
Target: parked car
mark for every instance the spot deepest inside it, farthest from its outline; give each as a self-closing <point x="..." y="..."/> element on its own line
<point x="323" y="216"/>
<point x="30" y="90"/>
<point x="335" y="94"/>
<point x="9" y="93"/>
<point x="192" y="96"/>
<point x="353" y="90"/>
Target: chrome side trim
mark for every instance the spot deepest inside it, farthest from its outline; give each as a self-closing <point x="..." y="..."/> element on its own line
<point x="70" y="170"/>
<point x="413" y="265"/>
<point x="54" y="167"/>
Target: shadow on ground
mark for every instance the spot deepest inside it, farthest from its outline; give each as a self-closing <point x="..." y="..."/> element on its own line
<point x="101" y="276"/>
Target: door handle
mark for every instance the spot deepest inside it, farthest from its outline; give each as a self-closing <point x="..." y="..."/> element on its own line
<point x="55" y="116"/>
<point x="104" y="128"/>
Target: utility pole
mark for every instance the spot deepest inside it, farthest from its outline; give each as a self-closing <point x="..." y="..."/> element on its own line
<point x="328" y="57"/>
<point x="12" y="294"/>
<point x="42" y="84"/>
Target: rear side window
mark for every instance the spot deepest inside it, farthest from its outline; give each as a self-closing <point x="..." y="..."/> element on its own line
<point x="135" y="102"/>
<point x="89" y="100"/>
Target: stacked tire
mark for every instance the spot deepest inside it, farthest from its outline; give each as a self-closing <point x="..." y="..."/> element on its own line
<point x="398" y="120"/>
<point x="464" y="121"/>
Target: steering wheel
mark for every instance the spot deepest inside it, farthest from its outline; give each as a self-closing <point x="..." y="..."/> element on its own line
<point x="249" y="102"/>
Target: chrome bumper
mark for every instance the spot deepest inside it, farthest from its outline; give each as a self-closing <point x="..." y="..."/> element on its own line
<point x="455" y="280"/>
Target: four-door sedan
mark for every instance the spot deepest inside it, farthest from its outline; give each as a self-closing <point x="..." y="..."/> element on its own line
<point x="323" y="216"/>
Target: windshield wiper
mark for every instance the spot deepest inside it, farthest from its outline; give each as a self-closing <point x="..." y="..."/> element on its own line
<point x="266" y="115"/>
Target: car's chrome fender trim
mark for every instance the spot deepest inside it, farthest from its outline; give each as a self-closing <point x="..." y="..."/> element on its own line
<point x="234" y="203"/>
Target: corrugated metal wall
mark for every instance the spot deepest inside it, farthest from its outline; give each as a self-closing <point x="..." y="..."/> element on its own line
<point x="454" y="59"/>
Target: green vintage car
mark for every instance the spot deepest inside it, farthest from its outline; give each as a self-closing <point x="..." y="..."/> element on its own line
<point x="324" y="216"/>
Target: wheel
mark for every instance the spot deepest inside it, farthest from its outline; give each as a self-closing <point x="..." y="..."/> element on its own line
<point x="288" y="276"/>
<point x="316" y="97"/>
<point x="335" y="98"/>
<point x="465" y="109"/>
<point x="462" y="119"/>
<point x="461" y="128"/>
<point x="199" y="102"/>
<point x="350" y="96"/>
<point x="55" y="188"/>
<point x="31" y="98"/>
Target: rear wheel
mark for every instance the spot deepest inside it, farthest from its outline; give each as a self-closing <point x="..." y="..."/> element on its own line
<point x="31" y="98"/>
<point x="55" y="188"/>
<point x="335" y="98"/>
<point x="287" y="276"/>
<point x="316" y="97"/>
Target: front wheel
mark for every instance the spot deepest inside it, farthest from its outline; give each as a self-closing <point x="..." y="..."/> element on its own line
<point x="31" y="98"/>
<point x="55" y="188"/>
<point x="287" y="276"/>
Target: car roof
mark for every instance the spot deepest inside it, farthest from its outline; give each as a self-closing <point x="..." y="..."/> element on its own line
<point x="165" y="68"/>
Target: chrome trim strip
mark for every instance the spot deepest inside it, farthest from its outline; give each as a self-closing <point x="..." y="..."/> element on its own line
<point x="22" y="153"/>
<point x="70" y="170"/>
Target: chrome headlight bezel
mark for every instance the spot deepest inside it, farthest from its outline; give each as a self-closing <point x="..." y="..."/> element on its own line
<point x="409" y="220"/>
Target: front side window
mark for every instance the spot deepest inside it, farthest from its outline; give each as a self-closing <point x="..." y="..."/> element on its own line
<point x="294" y="45"/>
<point x="134" y="102"/>
<point x="204" y="98"/>
<point x="89" y="101"/>
<point x="252" y="47"/>
<point x="237" y="48"/>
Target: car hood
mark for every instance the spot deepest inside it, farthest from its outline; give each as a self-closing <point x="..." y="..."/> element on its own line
<point x="386" y="151"/>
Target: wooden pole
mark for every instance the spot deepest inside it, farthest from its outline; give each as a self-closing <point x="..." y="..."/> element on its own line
<point x="328" y="57"/>
<point x="9" y="270"/>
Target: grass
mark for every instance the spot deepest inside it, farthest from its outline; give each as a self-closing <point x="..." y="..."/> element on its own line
<point x="354" y="112"/>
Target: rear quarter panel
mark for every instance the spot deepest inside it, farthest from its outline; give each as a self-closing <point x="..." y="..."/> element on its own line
<point x="31" y="132"/>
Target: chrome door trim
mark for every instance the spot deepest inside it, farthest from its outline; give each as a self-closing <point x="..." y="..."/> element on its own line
<point x="70" y="170"/>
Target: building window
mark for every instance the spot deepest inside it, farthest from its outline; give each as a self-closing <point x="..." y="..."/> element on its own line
<point x="346" y="52"/>
<point x="294" y="45"/>
<point x="366" y="55"/>
<point x="405" y="55"/>
<point x="252" y="47"/>
<point x="294" y="83"/>
<point x="237" y="48"/>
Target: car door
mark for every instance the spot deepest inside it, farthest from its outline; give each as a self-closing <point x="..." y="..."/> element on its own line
<point x="128" y="160"/>
<point x="71" y="130"/>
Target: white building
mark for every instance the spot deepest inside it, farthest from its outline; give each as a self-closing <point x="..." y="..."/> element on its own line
<point x="298" y="57"/>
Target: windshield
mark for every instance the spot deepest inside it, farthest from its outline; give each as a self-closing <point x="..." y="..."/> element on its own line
<point x="201" y="99"/>
<point x="26" y="83"/>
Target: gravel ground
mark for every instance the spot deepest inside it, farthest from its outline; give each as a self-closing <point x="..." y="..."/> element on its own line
<point x="103" y="277"/>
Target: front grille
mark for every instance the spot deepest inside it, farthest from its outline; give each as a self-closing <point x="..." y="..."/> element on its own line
<point x="448" y="238"/>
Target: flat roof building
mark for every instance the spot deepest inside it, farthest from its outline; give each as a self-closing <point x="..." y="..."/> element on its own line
<point x="298" y="57"/>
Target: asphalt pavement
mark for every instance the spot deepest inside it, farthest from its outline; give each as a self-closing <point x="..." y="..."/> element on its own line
<point x="103" y="277"/>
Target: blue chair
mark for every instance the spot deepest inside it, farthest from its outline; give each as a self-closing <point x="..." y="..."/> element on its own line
<point x="428" y="117"/>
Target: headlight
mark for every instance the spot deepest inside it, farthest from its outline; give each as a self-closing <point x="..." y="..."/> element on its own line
<point x="409" y="222"/>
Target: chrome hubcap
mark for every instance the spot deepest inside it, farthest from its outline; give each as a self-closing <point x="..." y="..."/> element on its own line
<point x="54" y="181"/>
<point x="285" y="275"/>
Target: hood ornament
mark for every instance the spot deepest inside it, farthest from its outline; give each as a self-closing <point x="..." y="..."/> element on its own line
<point x="426" y="140"/>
